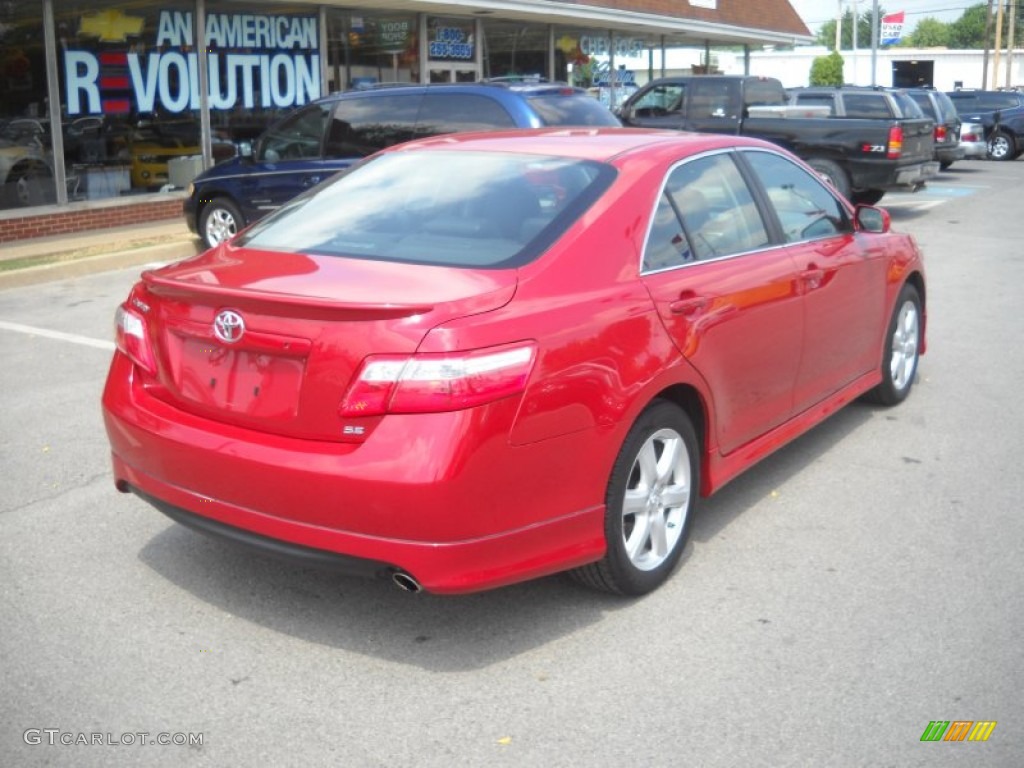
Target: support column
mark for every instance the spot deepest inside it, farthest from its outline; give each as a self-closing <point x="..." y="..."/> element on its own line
<point x="53" y="96"/>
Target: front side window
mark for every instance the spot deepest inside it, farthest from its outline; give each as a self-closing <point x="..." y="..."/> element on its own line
<point x="297" y="137"/>
<point x="805" y="208"/>
<point x="458" y="209"/>
<point x="660" y="101"/>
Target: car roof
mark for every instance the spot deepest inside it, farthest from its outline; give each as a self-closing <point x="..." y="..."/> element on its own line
<point x="605" y="144"/>
<point x="525" y="88"/>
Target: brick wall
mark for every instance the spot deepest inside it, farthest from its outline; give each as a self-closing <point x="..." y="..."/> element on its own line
<point x="59" y="221"/>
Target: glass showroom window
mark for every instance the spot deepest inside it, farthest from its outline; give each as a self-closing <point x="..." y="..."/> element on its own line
<point x="452" y="50"/>
<point x="26" y="156"/>
<point x="515" y="50"/>
<point x="370" y="48"/>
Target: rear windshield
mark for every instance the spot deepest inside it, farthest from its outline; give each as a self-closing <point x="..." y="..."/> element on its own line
<point x="571" y="108"/>
<point x="947" y="112"/>
<point x="908" y="107"/>
<point x="455" y="209"/>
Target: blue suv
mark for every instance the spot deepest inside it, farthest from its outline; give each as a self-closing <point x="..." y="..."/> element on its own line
<point x="328" y="135"/>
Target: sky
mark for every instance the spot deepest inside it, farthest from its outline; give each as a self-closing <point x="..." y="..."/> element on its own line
<point x="816" y="12"/>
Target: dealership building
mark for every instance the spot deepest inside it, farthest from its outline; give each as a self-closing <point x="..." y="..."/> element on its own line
<point x="108" y="107"/>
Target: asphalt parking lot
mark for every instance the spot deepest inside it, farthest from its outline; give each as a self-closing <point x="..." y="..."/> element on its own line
<point x="861" y="583"/>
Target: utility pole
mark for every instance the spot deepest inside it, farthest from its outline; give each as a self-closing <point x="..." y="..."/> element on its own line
<point x="999" y="43"/>
<point x="839" y="25"/>
<point x="874" y="43"/>
<point x="1009" y="42"/>
<point x="988" y="36"/>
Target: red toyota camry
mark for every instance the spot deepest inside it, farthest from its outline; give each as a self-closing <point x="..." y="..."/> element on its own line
<point x="479" y="359"/>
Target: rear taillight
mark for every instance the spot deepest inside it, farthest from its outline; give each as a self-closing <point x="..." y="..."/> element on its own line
<point x="132" y="338"/>
<point x="940" y="133"/>
<point x="971" y="137"/>
<point x="895" y="148"/>
<point x="429" y="383"/>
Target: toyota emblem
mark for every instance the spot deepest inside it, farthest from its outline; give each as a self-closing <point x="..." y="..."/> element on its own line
<point x="228" y="326"/>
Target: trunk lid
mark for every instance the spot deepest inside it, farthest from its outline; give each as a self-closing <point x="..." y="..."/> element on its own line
<point x="270" y="340"/>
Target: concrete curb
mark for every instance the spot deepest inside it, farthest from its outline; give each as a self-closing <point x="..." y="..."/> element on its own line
<point x="75" y="267"/>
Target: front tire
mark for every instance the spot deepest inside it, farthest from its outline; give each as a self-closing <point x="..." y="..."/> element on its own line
<point x="220" y="221"/>
<point x="868" y="196"/>
<point x="902" y="350"/>
<point x="649" y="503"/>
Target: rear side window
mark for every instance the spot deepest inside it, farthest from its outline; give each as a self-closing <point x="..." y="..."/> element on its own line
<point x="712" y="98"/>
<point x="454" y="112"/>
<point x="870" y="105"/>
<point x="994" y="101"/>
<point x="705" y="212"/>
<point x="456" y="209"/>
<point x="764" y="93"/>
<point x="571" y="108"/>
<point x="364" y="125"/>
<point x="818" y="100"/>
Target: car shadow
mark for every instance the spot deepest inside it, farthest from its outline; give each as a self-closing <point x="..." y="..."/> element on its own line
<point x="373" y="617"/>
<point x="738" y="496"/>
<point x="444" y="633"/>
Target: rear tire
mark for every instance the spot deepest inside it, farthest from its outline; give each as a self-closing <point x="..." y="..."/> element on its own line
<point x="832" y="172"/>
<point x="220" y="220"/>
<point x="649" y="503"/>
<point x="1001" y="146"/>
<point x="903" y="342"/>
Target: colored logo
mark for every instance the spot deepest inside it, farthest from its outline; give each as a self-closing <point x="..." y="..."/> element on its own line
<point x="958" y="730"/>
<point x="111" y="26"/>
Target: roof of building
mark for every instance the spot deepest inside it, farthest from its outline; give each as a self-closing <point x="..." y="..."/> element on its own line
<point x="692" y="22"/>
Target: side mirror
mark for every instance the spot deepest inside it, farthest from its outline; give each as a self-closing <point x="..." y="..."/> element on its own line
<point x="871" y="219"/>
<point x="245" y="149"/>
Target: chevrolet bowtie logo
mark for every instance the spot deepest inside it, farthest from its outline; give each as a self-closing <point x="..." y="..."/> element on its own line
<point x="111" y="26"/>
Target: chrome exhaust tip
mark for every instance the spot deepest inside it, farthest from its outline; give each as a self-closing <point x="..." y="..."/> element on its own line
<point x="405" y="582"/>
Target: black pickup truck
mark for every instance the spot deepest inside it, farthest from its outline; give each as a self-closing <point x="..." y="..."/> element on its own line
<point x="863" y="157"/>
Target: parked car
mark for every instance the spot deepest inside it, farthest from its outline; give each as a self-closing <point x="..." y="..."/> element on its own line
<point x="1002" y="115"/>
<point x="478" y="359"/>
<point x="315" y="141"/>
<point x="972" y="140"/>
<point x="938" y="106"/>
<point x="863" y="156"/>
<point x="26" y="177"/>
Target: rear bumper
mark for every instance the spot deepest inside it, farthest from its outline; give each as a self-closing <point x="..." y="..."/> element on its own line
<point x="915" y="175"/>
<point x="463" y="520"/>
<point x="974" y="149"/>
<point x="950" y="154"/>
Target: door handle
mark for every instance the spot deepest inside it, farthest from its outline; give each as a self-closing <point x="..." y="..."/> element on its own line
<point x="812" y="277"/>
<point x="689" y="307"/>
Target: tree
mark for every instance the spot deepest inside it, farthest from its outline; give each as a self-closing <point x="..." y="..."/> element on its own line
<point x="929" y="33"/>
<point x="969" y="30"/>
<point x="827" y="70"/>
<point x="827" y="34"/>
